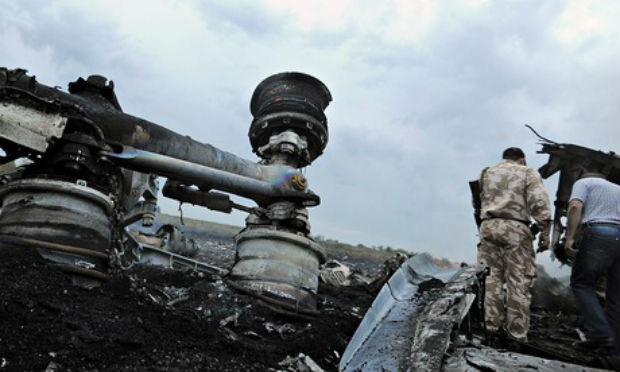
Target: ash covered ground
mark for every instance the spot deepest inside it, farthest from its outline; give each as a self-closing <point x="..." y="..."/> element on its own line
<point x="155" y="319"/>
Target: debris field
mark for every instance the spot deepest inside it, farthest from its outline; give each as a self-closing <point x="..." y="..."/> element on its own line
<point x="157" y="319"/>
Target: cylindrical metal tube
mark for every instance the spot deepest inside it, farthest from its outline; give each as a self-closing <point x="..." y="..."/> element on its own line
<point x="281" y="267"/>
<point x="276" y="186"/>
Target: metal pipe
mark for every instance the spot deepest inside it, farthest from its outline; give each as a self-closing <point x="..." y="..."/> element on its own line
<point x="35" y="243"/>
<point x="278" y="185"/>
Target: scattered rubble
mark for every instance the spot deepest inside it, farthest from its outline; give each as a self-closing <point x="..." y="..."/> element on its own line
<point x="301" y="363"/>
<point x="130" y="324"/>
<point x="283" y="330"/>
<point x="159" y="319"/>
<point x="484" y="359"/>
<point x="337" y="274"/>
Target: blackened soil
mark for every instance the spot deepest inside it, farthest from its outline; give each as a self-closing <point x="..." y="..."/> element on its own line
<point x="551" y="336"/>
<point x="151" y="319"/>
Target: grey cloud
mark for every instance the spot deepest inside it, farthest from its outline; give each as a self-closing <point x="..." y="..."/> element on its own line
<point x="70" y="35"/>
<point x="245" y="16"/>
<point x="409" y="125"/>
<point x="462" y="97"/>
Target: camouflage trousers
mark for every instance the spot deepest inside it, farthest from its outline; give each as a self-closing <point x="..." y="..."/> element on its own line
<point x="506" y="248"/>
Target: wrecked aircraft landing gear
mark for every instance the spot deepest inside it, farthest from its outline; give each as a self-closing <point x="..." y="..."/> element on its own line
<point x="87" y="160"/>
<point x="280" y="268"/>
<point x="67" y="222"/>
<point x="61" y="203"/>
<point x="276" y="260"/>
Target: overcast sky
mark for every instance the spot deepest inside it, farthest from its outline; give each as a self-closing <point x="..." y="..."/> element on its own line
<point x="425" y="93"/>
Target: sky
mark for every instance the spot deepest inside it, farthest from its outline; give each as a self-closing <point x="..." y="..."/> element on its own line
<point x="425" y="93"/>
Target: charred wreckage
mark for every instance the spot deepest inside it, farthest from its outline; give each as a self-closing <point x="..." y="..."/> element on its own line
<point x="82" y="195"/>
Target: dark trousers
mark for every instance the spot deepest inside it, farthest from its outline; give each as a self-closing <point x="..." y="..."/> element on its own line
<point x="598" y="257"/>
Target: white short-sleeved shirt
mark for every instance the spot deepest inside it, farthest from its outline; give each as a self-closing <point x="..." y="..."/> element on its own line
<point x="601" y="200"/>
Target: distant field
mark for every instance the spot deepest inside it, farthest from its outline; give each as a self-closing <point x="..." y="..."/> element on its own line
<point x="334" y="248"/>
<point x="199" y="227"/>
<point x="357" y="252"/>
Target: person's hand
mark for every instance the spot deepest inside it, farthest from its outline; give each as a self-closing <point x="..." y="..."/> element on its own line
<point x="543" y="242"/>
<point x="569" y="248"/>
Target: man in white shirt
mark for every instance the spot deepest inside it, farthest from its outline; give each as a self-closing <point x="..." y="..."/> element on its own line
<point x="595" y="204"/>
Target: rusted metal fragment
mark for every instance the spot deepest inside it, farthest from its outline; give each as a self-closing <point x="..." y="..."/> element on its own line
<point x="385" y="338"/>
<point x="483" y="359"/>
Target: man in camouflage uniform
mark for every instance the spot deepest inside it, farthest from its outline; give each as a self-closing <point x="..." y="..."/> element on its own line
<point x="511" y="193"/>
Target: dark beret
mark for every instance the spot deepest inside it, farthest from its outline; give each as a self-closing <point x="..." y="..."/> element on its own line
<point x="513" y="152"/>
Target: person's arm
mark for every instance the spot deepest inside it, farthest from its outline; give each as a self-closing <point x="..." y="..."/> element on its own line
<point x="539" y="206"/>
<point x="573" y="216"/>
<point x="544" y="239"/>
<point x="578" y="197"/>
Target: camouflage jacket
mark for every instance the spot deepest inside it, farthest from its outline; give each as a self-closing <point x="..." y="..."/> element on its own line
<point x="513" y="191"/>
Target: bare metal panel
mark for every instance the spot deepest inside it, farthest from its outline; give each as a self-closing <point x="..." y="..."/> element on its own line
<point x="29" y="127"/>
<point x="384" y="339"/>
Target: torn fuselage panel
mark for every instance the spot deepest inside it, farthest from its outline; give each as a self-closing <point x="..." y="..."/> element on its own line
<point x="30" y="122"/>
<point x="395" y="334"/>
